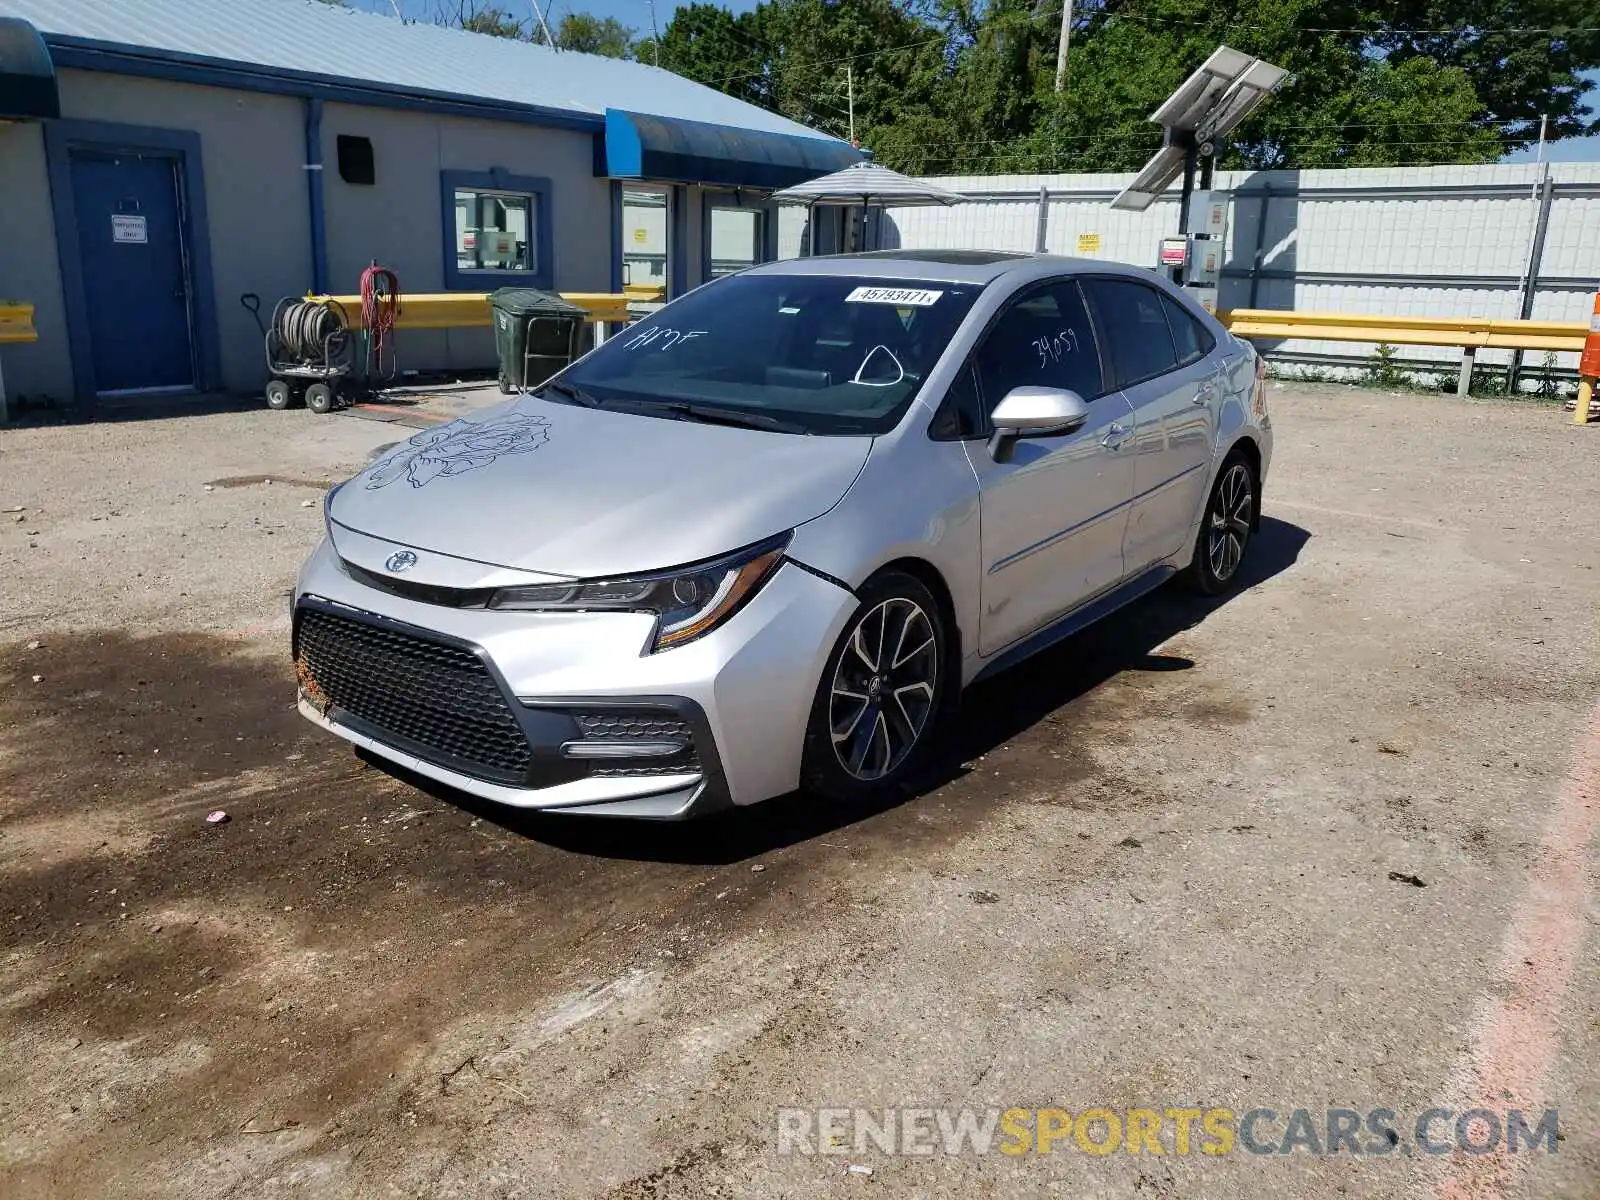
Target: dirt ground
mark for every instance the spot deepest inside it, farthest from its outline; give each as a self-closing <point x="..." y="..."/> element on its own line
<point x="1326" y="843"/>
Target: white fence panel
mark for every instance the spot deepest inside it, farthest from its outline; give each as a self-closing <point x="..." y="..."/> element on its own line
<point x="1423" y="241"/>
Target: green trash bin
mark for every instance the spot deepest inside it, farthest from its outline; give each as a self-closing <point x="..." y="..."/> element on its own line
<point x="536" y="334"/>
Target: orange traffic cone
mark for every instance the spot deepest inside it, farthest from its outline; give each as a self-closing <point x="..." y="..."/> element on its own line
<point x="1588" y="368"/>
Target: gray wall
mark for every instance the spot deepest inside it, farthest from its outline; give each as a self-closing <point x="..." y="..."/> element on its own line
<point x="29" y="270"/>
<point x="252" y="147"/>
<point x="1447" y="241"/>
<point x="399" y="220"/>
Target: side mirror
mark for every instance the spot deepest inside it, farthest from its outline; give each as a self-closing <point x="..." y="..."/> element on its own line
<point x="1030" y="411"/>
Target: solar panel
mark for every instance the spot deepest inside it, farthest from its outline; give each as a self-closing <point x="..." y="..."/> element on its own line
<point x="1210" y="104"/>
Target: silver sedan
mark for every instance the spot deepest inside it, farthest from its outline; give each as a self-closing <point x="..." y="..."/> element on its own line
<point x="761" y="540"/>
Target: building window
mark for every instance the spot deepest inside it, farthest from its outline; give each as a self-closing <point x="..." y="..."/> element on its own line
<point x="734" y="241"/>
<point x="497" y="231"/>
<point x="494" y="231"/>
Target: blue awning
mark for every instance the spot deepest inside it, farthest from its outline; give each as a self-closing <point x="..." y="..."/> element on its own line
<point x="27" y="76"/>
<point x="638" y="146"/>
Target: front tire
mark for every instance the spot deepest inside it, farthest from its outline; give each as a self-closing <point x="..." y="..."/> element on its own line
<point x="881" y="693"/>
<point x="1225" y="529"/>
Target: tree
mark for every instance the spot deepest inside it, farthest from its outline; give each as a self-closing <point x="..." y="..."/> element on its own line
<point x="479" y="16"/>
<point x="711" y="45"/>
<point x="967" y="86"/>
<point x="1520" y="69"/>
<point x="586" y="34"/>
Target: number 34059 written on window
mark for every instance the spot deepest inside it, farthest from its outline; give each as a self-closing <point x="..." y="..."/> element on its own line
<point x="1057" y="346"/>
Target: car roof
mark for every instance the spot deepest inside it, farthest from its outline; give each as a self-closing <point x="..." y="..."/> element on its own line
<point x="947" y="266"/>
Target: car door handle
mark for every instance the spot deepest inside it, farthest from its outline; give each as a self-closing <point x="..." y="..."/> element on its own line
<point x="1205" y="395"/>
<point x="1114" y="437"/>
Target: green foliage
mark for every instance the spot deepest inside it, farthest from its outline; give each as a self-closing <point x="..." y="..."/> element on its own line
<point x="1383" y="369"/>
<point x="967" y="86"/>
<point x="586" y="34"/>
<point x="477" y="16"/>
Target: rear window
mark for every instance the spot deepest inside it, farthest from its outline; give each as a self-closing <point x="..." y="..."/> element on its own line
<point x="1135" y="328"/>
<point x="1192" y="339"/>
<point x="832" y="354"/>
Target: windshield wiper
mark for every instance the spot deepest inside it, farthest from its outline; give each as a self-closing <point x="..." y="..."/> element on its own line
<point x="710" y="414"/>
<point x="575" y="395"/>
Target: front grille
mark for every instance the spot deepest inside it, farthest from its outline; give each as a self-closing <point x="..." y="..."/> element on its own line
<point x="432" y="699"/>
<point x="639" y="725"/>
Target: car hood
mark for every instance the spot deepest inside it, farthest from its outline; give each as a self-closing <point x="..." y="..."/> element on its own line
<point x="561" y="490"/>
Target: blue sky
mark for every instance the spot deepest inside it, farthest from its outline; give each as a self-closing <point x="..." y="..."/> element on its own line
<point x="636" y="13"/>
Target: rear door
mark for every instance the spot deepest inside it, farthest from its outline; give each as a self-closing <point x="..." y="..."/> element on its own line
<point x="1053" y="515"/>
<point x="1170" y="384"/>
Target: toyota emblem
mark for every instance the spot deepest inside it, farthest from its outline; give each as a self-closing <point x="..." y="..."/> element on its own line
<point x="401" y="560"/>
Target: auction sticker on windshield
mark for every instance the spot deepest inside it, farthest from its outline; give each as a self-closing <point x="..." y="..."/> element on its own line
<point x="916" y="297"/>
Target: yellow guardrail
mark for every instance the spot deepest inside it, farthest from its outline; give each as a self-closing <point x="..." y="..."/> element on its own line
<point x="1467" y="332"/>
<point x="1471" y="334"/>
<point x="470" y="310"/>
<point x="16" y="322"/>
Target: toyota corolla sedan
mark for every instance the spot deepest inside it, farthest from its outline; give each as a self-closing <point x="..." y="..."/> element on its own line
<point x="762" y="540"/>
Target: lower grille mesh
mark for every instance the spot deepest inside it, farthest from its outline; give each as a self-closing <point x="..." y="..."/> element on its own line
<point x="432" y="699"/>
<point x="645" y="725"/>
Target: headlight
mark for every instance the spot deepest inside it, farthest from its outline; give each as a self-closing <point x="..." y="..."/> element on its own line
<point x="688" y="602"/>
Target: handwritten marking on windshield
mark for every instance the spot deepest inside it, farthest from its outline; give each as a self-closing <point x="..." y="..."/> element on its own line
<point x="662" y="337"/>
<point x="900" y="371"/>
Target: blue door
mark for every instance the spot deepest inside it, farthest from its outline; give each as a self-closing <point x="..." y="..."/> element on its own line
<point x="135" y="282"/>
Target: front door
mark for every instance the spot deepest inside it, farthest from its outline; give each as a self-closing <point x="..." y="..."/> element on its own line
<point x="1161" y="355"/>
<point x="135" y="278"/>
<point x="1053" y="516"/>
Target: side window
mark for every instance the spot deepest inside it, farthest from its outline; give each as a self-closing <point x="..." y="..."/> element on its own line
<point x="1134" y="327"/>
<point x="1193" y="340"/>
<point x="959" y="416"/>
<point x="1043" y="339"/>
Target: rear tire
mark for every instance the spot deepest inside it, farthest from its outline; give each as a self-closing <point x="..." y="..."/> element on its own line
<point x="319" y="399"/>
<point x="506" y="388"/>
<point x="278" y="394"/>
<point x="881" y="694"/>
<point x="1225" y="529"/>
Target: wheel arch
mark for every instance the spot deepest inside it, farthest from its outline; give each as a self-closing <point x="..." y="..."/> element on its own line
<point x="925" y="573"/>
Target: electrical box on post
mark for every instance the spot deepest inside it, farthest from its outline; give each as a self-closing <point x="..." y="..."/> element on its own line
<point x="1204" y="266"/>
<point x="1208" y="214"/>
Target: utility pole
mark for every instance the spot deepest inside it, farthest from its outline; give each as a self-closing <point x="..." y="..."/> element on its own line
<point x="1061" y="46"/>
<point x="549" y="38"/>
<point x="655" y="37"/>
<point x="850" y="84"/>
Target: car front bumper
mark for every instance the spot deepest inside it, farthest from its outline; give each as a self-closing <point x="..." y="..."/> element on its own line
<point x="737" y="700"/>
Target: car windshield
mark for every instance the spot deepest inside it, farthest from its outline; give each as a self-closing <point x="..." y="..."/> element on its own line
<point x="826" y="354"/>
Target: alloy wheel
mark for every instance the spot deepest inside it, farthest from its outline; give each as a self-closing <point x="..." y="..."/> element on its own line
<point x="884" y="688"/>
<point x="1231" y="514"/>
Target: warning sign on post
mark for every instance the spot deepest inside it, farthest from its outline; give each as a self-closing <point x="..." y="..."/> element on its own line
<point x="131" y="230"/>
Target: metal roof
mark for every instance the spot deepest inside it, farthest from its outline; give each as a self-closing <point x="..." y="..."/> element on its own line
<point x="305" y="38"/>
